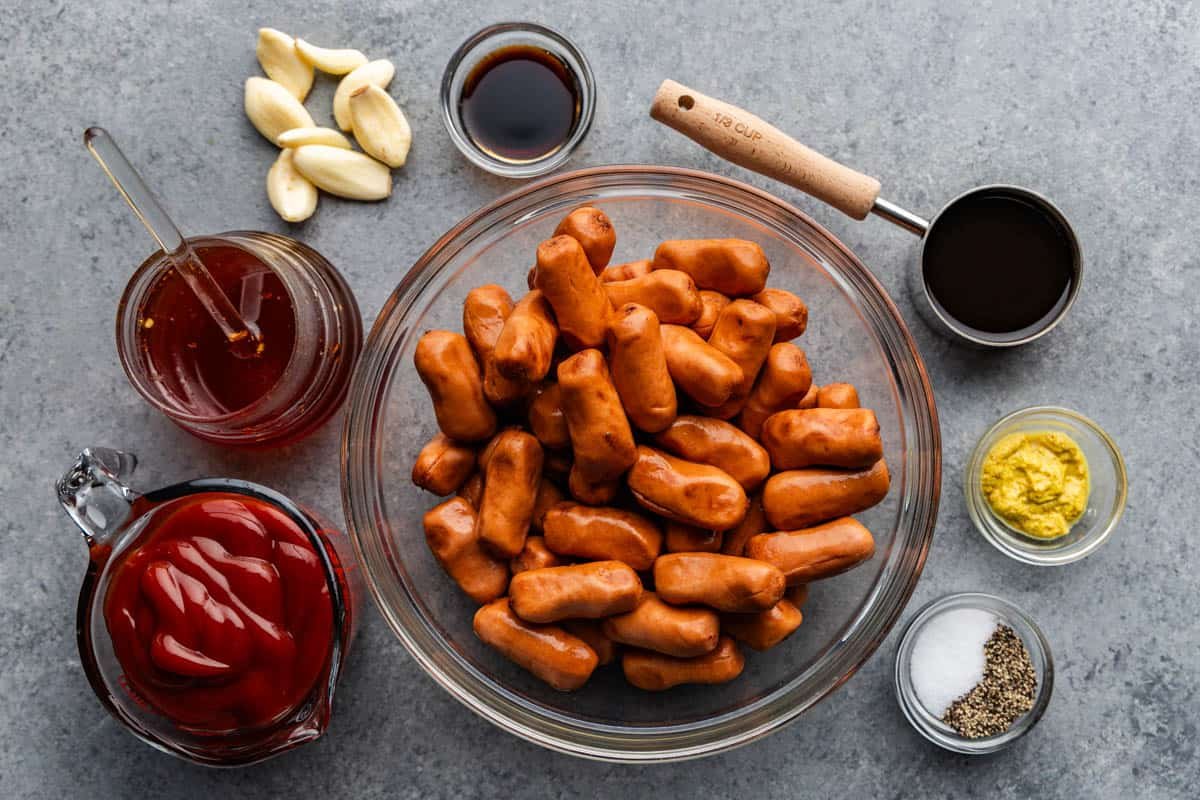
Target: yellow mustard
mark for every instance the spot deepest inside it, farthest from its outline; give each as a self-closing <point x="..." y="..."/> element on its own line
<point x="1037" y="482"/>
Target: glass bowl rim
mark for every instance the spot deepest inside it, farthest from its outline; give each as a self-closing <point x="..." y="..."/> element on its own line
<point x="1005" y="540"/>
<point x="843" y="657"/>
<point x="559" y="46"/>
<point x="916" y="714"/>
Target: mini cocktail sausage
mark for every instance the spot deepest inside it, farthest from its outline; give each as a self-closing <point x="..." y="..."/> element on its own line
<point x="605" y="534"/>
<point x="639" y="368"/>
<point x="687" y="492"/>
<point x="672" y="295"/>
<point x="452" y="538"/>
<point x="837" y="395"/>
<point x="831" y="437"/>
<point x="791" y="314"/>
<point x="682" y="538"/>
<point x="580" y="591"/>
<point x="711" y="304"/>
<point x="600" y="434"/>
<point x="655" y="625"/>
<point x="744" y="332"/>
<point x="546" y="418"/>
<point x="800" y="498"/>
<point x="718" y="443"/>
<point x="784" y="380"/>
<point x="623" y="272"/>
<point x="442" y="466"/>
<point x="526" y="344"/>
<point x="763" y="630"/>
<point x="549" y="652"/>
<point x="484" y="311"/>
<point x="726" y="583"/>
<point x="701" y="371"/>
<point x="655" y="672"/>
<point x="811" y="554"/>
<point x="590" y="632"/>
<point x="574" y="292"/>
<point x="510" y="485"/>
<point x="448" y="369"/>
<point x="594" y="231"/>
<point x="755" y="522"/>
<point x="734" y="267"/>
<point x="534" y="555"/>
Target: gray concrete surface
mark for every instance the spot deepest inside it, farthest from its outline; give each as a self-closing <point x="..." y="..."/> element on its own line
<point x="1092" y="103"/>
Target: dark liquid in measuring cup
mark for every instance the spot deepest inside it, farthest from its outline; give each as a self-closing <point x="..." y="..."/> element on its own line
<point x="998" y="265"/>
<point x="520" y="103"/>
<point x="188" y="355"/>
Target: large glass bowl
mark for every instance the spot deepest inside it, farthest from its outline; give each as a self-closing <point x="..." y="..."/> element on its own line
<point x="855" y="334"/>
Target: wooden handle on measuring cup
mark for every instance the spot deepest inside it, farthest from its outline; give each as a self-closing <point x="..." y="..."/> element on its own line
<point x="739" y="136"/>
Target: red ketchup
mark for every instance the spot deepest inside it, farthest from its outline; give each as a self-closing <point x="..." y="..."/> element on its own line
<point x="220" y="614"/>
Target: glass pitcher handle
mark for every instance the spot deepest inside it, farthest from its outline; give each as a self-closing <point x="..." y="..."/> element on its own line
<point x="93" y="494"/>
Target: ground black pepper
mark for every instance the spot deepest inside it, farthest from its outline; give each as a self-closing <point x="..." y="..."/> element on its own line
<point x="1005" y="693"/>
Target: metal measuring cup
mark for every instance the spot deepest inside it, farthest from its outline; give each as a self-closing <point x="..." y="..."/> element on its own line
<point x="739" y="136"/>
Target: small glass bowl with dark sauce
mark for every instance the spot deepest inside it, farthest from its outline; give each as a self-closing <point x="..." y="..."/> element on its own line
<point x="517" y="99"/>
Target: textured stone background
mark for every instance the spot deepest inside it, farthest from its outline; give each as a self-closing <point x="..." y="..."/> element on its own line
<point x="1092" y="103"/>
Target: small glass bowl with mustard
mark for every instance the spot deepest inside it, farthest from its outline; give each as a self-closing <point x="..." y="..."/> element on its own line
<point x="1046" y="485"/>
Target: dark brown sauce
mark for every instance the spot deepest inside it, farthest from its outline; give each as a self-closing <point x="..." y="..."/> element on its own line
<point x="520" y="103"/>
<point x="999" y="265"/>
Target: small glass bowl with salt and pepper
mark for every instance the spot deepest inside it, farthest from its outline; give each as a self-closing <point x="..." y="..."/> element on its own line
<point x="1105" y="501"/>
<point x="973" y="673"/>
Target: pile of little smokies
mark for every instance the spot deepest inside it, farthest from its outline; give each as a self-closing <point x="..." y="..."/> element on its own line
<point x="641" y="460"/>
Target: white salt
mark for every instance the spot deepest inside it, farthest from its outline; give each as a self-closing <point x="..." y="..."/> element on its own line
<point x="947" y="657"/>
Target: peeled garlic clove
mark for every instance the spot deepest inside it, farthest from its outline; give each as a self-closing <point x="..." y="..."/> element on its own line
<point x="380" y="126"/>
<point x="331" y="62"/>
<point x="291" y="194"/>
<point x="277" y="54"/>
<point x="373" y="73"/>
<point x="344" y="173"/>
<point x="298" y="137"/>
<point x="272" y="109"/>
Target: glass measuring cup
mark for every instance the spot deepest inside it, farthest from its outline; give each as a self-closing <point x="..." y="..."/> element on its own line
<point x="154" y="701"/>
